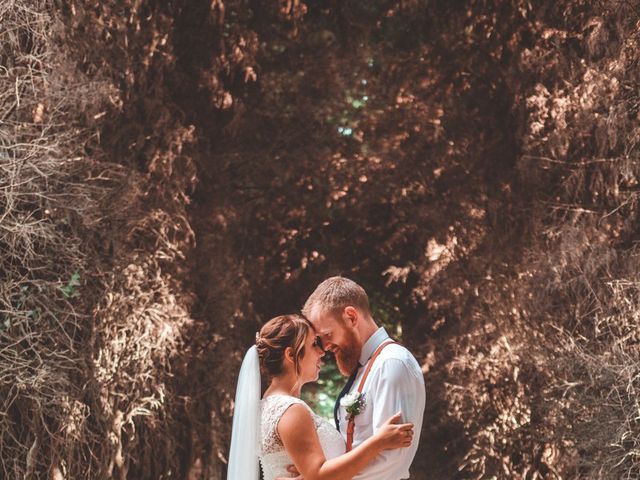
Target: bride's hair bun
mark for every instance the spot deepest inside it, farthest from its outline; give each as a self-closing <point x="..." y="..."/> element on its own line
<point x="274" y="338"/>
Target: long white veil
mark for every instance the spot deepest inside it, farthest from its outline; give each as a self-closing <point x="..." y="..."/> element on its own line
<point x="243" y="456"/>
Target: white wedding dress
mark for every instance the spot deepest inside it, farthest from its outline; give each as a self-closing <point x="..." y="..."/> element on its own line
<point x="273" y="457"/>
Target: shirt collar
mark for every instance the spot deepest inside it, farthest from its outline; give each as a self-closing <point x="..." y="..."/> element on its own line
<point x="372" y="344"/>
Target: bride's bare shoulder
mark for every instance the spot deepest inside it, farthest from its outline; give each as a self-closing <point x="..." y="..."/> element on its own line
<point x="295" y="421"/>
<point x="297" y="415"/>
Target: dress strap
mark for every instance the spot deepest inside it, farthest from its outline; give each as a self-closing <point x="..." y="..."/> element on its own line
<point x="273" y="407"/>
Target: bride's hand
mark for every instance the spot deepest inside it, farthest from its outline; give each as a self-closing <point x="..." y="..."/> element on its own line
<point x="394" y="435"/>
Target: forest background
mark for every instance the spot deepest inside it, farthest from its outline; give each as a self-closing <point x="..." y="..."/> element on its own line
<point x="174" y="173"/>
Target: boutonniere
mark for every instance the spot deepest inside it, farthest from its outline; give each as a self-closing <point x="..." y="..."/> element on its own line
<point x="354" y="403"/>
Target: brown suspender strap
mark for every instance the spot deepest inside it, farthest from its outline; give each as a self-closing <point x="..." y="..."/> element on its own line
<point x="352" y="423"/>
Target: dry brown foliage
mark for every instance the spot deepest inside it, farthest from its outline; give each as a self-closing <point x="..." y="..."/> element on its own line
<point x="80" y="347"/>
<point x="487" y="192"/>
<point x="46" y="194"/>
<point x="582" y="137"/>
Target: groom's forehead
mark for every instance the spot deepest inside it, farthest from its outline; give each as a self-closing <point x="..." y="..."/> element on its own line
<point x="326" y="323"/>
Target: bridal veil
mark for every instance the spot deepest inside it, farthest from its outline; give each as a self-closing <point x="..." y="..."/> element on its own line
<point x="243" y="456"/>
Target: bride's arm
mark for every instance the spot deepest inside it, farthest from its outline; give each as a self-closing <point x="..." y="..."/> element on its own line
<point x="300" y="439"/>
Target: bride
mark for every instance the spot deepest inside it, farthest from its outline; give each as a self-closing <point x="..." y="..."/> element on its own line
<point x="280" y="430"/>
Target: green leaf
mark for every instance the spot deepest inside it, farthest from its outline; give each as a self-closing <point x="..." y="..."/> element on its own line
<point x="75" y="279"/>
<point x="69" y="290"/>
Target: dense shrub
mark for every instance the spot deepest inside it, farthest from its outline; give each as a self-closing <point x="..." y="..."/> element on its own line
<point x="174" y="173"/>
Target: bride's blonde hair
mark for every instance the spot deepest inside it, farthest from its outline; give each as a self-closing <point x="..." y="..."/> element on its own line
<point x="278" y="334"/>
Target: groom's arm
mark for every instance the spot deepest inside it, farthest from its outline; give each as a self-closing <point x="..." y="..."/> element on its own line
<point x="396" y="387"/>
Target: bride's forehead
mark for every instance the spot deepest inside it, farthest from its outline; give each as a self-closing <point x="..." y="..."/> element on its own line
<point x="311" y="338"/>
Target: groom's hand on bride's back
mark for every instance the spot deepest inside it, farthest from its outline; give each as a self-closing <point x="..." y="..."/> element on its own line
<point x="394" y="435"/>
<point x="390" y="436"/>
<point x="293" y="470"/>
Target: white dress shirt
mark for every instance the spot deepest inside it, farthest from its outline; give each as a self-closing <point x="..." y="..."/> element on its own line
<point x="395" y="384"/>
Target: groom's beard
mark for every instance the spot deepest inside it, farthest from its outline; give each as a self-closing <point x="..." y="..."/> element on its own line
<point x="347" y="356"/>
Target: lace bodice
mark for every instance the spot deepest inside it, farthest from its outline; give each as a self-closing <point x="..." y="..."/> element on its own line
<point x="273" y="457"/>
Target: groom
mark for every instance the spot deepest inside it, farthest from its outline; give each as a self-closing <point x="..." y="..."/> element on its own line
<point x="388" y="375"/>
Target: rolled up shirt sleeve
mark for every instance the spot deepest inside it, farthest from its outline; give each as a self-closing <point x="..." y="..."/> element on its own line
<point x="399" y="387"/>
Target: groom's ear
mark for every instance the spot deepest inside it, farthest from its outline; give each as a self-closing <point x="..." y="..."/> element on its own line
<point x="351" y="316"/>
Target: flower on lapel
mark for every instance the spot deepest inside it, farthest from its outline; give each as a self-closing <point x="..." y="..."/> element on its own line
<point x="354" y="403"/>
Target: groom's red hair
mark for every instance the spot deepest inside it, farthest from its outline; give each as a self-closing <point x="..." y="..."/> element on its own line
<point x="335" y="294"/>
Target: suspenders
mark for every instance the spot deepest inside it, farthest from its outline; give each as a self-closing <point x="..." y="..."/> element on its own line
<point x="352" y="424"/>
